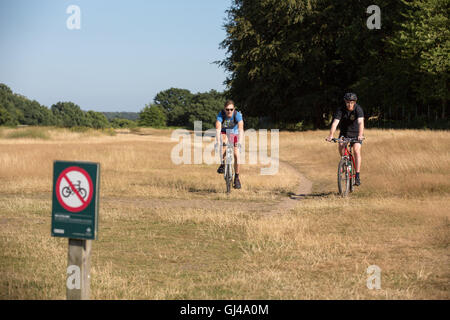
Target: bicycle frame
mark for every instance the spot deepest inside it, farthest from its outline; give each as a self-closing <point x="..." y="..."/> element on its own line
<point x="228" y="162"/>
<point x="229" y="155"/>
<point x="348" y="153"/>
<point x="228" y="172"/>
<point x="350" y="167"/>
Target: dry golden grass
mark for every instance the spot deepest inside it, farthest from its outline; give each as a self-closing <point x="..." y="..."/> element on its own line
<point x="170" y="232"/>
<point x="136" y="166"/>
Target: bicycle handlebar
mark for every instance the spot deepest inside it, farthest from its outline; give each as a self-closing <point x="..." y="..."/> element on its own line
<point x="216" y="146"/>
<point x="345" y="140"/>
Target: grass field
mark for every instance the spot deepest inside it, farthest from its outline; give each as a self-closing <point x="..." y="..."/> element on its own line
<point x="171" y="232"/>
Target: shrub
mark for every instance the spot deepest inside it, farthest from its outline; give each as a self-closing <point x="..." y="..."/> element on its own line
<point x="123" y="123"/>
<point x="29" y="133"/>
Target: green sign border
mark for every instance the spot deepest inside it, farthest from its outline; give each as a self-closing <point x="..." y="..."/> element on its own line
<point x="66" y="224"/>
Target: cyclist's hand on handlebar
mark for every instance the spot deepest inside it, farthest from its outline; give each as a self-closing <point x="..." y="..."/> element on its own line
<point x="361" y="138"/>
<point x="329" y="138"/>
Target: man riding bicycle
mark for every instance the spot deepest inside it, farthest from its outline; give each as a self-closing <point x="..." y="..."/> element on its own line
<point x="230" y="126"/>
<point x="351" y="117"/>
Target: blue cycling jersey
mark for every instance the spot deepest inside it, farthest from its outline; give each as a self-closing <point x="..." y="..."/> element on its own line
<point x="227" y="123"/>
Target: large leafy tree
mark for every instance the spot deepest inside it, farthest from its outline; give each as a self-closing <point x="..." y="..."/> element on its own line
<point x="152" y="116"/>
<point x="205" y="107"/>
<point x="292" y="60"/>
<point x="22" y="110"/>
<point x="68" y="114"/>
<point x="97" y="120"/>
<point x="9" y="102"/>
<point x="183" y="108"/>
<point x="423" y="43"/>
<point x="5" y="118"/>
<point x="175" y="102"/>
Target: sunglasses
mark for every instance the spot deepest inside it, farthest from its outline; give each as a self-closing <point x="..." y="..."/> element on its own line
<point x="229" y="109"/>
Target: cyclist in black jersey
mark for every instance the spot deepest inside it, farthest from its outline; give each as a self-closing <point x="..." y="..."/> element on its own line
<point x="351" y="120"/>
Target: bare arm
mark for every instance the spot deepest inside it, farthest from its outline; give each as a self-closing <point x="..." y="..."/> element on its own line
<point x="361" y="128"/>
<point x="241" y="131"/>
<point x="218" y="130"/>
<point x="333" y="129"/>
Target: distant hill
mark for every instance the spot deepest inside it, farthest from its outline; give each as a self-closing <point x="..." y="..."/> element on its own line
<point x="121" y="115"/>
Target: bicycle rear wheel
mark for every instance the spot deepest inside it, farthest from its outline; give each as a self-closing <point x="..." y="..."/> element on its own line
<point x="66" y="192"/>
<point x="343" y="178"/>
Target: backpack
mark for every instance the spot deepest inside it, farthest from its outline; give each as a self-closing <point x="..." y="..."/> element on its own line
<point x="223" y="115"/>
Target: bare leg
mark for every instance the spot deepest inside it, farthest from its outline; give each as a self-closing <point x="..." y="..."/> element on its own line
<point x="237" y="162"/>
<point x="224" y="148"/>
<point x="341" y="149"/>
<point x="357" y="154"/>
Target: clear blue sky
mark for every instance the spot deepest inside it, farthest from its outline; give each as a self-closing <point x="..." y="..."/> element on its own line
<point x="124" y="53"/>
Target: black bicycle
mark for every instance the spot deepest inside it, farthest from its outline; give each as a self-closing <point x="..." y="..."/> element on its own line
<point x="67" y="191"/>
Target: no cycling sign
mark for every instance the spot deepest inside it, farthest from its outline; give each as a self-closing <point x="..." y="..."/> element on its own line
<point x="75" y="199"/>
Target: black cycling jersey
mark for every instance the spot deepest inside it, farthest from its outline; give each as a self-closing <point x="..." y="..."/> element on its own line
<point x="349" y="120"/>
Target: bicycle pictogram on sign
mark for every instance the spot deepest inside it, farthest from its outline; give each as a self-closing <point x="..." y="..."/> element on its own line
<point x="74" y="189"/>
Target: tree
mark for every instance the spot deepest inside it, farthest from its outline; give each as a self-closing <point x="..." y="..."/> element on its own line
<point x="205" y="107"/>
<point x="34" y="114"/>
<point x="5" y="118"/>
<point x="152" y="116"/>
<point x="293" y="60"/>
<point x="423" y="42"/>
<point x="97" y="119"/>
<point x="175" y="103"/>
<point x="68" y="115"/>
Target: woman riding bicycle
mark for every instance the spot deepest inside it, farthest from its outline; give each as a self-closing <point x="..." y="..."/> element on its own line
<point x="351" y="117"/>
<point x="230" y="126"/>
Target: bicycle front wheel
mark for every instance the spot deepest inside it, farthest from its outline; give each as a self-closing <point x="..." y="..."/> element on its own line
<point x="82" y="192"/>
<point x="228" y="176"/>
<point x="352" y="177"/>
<point x="343" y="178"/>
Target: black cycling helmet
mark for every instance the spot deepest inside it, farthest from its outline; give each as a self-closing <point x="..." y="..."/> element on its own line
<point x="350" y="96"/>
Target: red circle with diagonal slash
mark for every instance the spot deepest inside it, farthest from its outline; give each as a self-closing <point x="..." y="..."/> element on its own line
<point x="63" y="175"/>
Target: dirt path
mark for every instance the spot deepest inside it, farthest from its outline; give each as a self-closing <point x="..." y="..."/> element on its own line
<point x="303" y="189"/>
<point x="288" y="203"/>
<point x="260" y="207"/>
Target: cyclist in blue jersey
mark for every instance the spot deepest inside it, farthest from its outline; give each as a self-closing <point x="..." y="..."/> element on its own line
<point x="230" y="126"/>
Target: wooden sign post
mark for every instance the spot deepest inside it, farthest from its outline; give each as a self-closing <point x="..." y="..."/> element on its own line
<point x="75" y="216"/>
<point x="78" y="270"/>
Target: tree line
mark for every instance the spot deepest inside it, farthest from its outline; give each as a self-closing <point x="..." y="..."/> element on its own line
<point x="16" y="109"/>
<point x="181" y="108"/>
<point x="171" y="107"/>
<point x="292" y="61"/>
